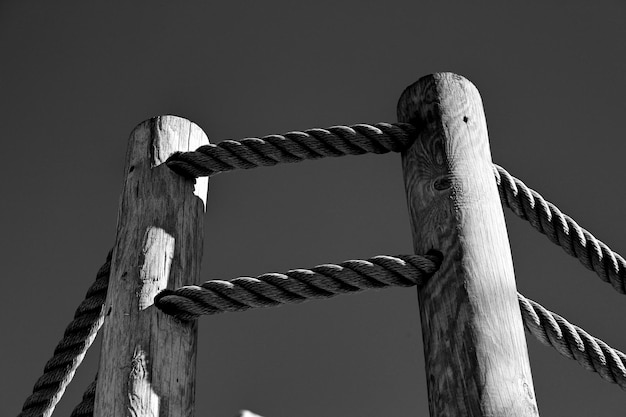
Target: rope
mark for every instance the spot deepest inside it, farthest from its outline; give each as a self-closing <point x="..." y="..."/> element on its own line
<point x="385" y="137"/>
<point x="296" y="285"/>
<point x="561" y="230"/>
<point x="85" y="407"/>
<point x="70" y="351"/>
<point x="271" y="150"/>
<point x="328" y="280"/>
<point x="573" y="342"/>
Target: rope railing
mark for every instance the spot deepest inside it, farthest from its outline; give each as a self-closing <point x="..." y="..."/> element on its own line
<point x="381" y="138"/>
<point x="323" y="281"/>
<point x="573" y="342"/>
<point x="297" y="285"/>
<point x="70" y="351"/>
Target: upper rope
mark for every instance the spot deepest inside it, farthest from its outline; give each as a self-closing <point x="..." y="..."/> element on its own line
<point x="294" y="146"/>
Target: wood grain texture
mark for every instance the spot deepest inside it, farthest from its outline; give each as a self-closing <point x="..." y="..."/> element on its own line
<point x="148" y="359"/>
<point x="474" y="343"/>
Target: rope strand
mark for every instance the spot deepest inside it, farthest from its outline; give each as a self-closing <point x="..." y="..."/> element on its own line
<point x="70" y="351"/>
<point x="573" y="342"/>
<point x="328" y="280"/>
<point x="291" y="147"/>
<point x="296" y="285"/>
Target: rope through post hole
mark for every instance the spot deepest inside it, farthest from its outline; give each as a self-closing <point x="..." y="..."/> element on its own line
<point x="292" y="147"/>
<point x="70" y="351"/>
<point x="359" y="139"/>
<point x="573" y="342"/>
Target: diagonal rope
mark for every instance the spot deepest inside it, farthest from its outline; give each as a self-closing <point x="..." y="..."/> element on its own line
<point x="270" y="150"/>
<point x="70" y="351"/>
<point x="296" y="285"/>
<point x="573" y="342"/>
<point x="561" y="230"/>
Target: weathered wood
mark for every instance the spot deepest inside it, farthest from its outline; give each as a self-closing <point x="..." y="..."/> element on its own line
<point x="474" y="344"/>
<point x="148" y="359"/>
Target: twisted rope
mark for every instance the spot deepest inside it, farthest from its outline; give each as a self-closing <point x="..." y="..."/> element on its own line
<point x="328" y="280"/>
<point x="296" y="285"/>
<point x="561" y="229"/>
<point x="70" y="351"/>
<point x="573" y="342"/>
<point x="271" y="150"/>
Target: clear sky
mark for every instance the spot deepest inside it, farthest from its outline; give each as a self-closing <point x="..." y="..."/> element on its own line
<point x="76" y="77"/>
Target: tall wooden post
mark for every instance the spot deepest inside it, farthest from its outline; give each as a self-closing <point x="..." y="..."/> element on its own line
<point x="474" y="344"/>
<point x="148" y="359"/>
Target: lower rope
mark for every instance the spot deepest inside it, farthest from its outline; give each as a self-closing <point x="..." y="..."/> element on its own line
<point x="573" y="342"/>
<point x="296" y="285"/>
<point x="70" y="351"/>
<point x="561" y="230"/>
<point x="328" y="280"/>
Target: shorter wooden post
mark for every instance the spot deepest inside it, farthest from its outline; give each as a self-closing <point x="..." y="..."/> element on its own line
<point x="148" y="359"/>
<point x="474" y="344"/>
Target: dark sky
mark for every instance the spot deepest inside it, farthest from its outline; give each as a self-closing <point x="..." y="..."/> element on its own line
<point x="76" y="77"/>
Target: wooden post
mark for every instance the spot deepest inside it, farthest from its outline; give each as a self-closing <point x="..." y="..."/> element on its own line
<point x="474" y="344"/>
<point x="148" y="359"/>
